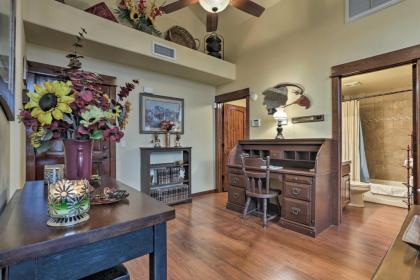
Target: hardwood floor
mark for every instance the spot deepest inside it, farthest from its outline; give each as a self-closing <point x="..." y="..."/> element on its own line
<point x="207" y="241"/>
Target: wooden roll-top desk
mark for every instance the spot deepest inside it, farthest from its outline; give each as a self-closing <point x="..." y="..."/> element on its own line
<point x="305" y="180"/>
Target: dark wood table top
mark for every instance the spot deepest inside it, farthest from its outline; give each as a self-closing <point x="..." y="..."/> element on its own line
<point x="24" y="233"/>
<point x="401" y="261"/>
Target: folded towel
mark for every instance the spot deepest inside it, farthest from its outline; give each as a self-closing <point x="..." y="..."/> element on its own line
<point x="398" y="191"/>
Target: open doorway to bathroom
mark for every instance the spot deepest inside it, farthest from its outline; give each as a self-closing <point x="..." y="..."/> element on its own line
<point x="377" y="137"/>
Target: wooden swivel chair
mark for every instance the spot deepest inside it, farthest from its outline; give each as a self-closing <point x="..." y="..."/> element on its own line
<point x="257" y="173"/>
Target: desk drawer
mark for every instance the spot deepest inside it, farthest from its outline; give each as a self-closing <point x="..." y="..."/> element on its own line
<point x="298" y="179"/>
<point x="276" y="155"/>
<point x="236" y="180"/>
<point x="236" y="195"/>
<point x="297" y="191"/>
<point x="297" y="210"/>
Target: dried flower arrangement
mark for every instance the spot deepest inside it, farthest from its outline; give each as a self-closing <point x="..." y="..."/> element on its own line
<point x="167" y="125"/>
<point x="75" y="107"/>
<point x="140" y="14"/>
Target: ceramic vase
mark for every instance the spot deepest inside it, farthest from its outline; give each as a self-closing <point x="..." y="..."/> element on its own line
<point x="78" y="159"/>
<point x="167" y="140"/>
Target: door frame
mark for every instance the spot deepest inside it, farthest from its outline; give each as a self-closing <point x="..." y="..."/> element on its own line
<point x="401" y="57"/>
<point x="219" y="100"/>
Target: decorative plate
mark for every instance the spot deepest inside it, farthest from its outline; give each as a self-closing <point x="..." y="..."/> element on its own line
<point x="109" y="196"/>
<point x="102" y="10"/>
<point x="181" y="36"/>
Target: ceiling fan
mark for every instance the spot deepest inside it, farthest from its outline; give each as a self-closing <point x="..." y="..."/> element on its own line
<point x="213" y="7"/>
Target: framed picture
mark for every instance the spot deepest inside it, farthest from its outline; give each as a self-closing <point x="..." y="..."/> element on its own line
<point x="156" y="108"/>
<point x="7" y="57"/>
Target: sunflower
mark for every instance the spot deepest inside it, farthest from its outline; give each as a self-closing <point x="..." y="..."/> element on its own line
<point x="50" y="101"/>
<point x="36" y="137"/>
<point x="123" y="117"/>
<point x="92" y="115"/>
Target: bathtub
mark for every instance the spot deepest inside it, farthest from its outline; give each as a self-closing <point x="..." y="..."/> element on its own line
<point x="387" y="192"/>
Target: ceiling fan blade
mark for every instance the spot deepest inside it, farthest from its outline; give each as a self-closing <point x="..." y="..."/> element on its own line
<point x="248" y="6"/>
<point x="177" y="5"/>
<point x="212" y="20"/>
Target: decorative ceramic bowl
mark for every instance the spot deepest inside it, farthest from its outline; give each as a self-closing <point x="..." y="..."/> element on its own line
<point x="68" y="202"/>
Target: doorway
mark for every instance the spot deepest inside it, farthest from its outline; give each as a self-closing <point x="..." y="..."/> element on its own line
<point x="232" y="125"/>
<point x="408" y="56"/>
<point x="377" y="129"/>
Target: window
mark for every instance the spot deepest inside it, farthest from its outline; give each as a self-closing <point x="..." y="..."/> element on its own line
<point x="359" y="8"/>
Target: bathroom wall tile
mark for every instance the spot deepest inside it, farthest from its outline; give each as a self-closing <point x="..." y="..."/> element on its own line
<point x="387" y="124"/>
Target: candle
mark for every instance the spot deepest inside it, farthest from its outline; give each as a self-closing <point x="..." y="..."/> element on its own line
<point x="68" y="200"/>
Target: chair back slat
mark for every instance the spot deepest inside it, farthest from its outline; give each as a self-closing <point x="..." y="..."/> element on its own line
<point x="257" y="173"/>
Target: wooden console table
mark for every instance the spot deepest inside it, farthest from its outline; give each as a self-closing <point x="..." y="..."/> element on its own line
<point x="29" y="249"/>
<point x="305" y="180"/>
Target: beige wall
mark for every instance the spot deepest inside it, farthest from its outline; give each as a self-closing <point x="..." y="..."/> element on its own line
<point x="4" y="159"/>
<point x="198" y="99"/>
<point x="387" y="126"/>
<point x="319" y="40"/>
<point x="12" y="170"/>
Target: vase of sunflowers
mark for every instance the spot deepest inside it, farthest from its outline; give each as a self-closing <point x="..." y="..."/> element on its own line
<point x="140" y="14"/>
<point x="75" y="110"/>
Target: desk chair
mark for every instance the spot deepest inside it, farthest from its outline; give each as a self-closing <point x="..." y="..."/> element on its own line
<point x="257" y="174"/>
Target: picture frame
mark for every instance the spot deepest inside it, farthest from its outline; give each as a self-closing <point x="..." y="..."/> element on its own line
<point x="7" y="57"/>
<point x="156" y="108"/>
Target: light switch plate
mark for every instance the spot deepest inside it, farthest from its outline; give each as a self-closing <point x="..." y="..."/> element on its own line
<point x="256" y="123"/>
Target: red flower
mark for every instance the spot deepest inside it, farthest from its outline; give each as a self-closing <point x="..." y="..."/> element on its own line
<point x="114" y="134"/>
<point x="86" y="95"/>
<point x="28" y="120"/>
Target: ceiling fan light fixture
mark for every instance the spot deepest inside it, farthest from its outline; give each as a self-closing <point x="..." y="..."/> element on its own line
<point x="214" y="6"/>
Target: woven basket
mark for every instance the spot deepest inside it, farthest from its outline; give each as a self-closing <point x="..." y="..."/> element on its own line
<point x="181" y="36"/>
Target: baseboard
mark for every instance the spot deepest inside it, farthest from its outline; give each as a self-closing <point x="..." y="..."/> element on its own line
<point x="203" y="193"/>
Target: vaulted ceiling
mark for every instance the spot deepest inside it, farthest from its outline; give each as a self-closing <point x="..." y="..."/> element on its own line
<point x="282" y="18"/>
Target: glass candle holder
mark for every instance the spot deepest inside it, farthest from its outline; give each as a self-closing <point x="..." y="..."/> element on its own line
<point x="68" y="202"/>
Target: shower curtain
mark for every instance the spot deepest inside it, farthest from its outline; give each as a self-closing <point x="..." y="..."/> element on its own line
<point x="353" y="148"/>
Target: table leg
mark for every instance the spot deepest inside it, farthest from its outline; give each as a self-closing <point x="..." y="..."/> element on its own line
<point x="157" y="260"/>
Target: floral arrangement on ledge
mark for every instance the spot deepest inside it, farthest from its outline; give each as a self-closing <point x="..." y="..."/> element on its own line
<point x="140" y="14"/>
<point x="75" y="107"/>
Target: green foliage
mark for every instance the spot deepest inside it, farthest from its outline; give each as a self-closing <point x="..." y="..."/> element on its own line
<point x="143" y="24"/>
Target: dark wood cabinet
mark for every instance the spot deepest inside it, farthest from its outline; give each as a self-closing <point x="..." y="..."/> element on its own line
<point x="163" y="181"/>
<point x="304" y="178"/>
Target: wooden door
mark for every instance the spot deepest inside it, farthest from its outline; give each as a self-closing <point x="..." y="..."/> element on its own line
<point x="234" y="129"/>
<point x="104" y="152"/>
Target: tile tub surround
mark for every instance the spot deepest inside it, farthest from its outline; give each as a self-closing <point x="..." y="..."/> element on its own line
<point x="387" y="126"/>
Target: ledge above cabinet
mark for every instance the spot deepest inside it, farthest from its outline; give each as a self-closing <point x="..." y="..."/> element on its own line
<point x="53" y="24"/>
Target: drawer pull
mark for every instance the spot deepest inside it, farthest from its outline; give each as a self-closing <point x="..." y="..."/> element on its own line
<point x="295" y="191"/>
<point x="235" y="180"/>
<point x="236" y="195"/>
<point x="295" y="211"/>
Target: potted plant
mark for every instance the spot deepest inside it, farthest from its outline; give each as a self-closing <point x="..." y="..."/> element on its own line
<point x="74" y="109"/>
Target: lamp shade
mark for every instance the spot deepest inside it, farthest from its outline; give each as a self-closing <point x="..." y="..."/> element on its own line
<point x="214" y="6"/>
<point x="280" y="115"/>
